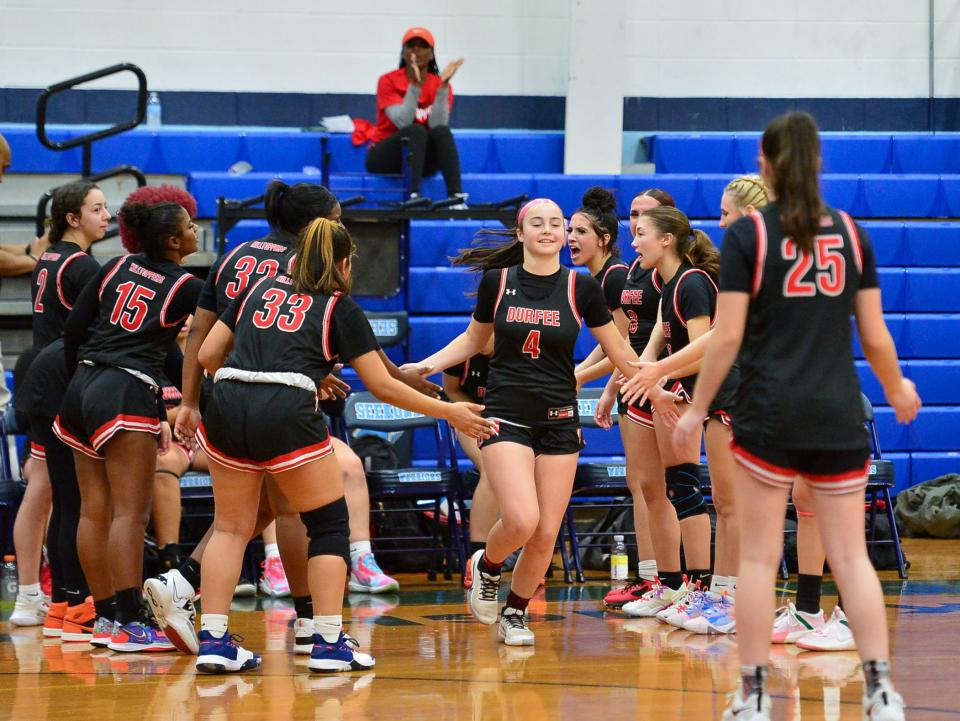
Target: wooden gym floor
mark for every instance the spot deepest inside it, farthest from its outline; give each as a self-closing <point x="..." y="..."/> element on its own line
<point x="434" y="662"/>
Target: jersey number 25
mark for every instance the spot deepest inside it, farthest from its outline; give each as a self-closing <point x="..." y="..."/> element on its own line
<point x="831" y="274"/>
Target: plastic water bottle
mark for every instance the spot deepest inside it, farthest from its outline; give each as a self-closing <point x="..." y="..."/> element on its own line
<point x="154" y="111"/>
<point x="8" y="579"/>
<point x="619" y="564"/>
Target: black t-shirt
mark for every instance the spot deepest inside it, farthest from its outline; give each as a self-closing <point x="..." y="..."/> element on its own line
<point x="612" y="277"/>
<point x="799" y="387"/>
<point x="536" y="321"/>
<point x="473" y="376"/>
<point x="58" y="278"/>
<point x="232" y="274"/>
<point x="279" y="330"/>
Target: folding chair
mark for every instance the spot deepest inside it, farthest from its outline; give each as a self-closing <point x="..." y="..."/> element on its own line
<point x="438" y="482"/>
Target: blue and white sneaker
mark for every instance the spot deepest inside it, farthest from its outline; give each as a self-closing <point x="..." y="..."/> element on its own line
<point x="339" y="656"/>
<point x="224" y="655"/>
<point x="716" y="616"/>
<point x="137" y="636"/>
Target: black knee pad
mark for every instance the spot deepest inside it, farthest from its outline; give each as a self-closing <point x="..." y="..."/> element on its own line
<point x="329" y="530"/>
<point x="683" y="490"/>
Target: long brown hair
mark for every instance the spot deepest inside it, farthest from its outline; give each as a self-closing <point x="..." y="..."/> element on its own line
<point x="495" y="248"/>
<point x="792" y="147"/>
<point x="67" y="200"/>
<point x="322" y="245"/>
<point x="693" y="246"/>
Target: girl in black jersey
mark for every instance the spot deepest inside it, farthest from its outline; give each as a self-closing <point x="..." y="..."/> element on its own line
<point x="537" y="308"/>
<point x="791" y="276"/>
<point x="467" y="381"/>
<point x="79" y="218"/>
<point x="121" y="332"/>
<point x="267" y="352"/>
<point x="635" y="316"/>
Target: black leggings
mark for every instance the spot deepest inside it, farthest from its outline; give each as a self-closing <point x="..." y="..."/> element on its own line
<point x="431" y="149"/>
<point x="65" y="568"/>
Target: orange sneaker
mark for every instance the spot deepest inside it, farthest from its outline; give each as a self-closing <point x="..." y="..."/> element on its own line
<point x="78" y="622"/>
<point x="53" y="623"/>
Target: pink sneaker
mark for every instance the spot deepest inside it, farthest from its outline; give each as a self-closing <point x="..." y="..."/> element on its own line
<point x="273" y="582"/>
<point x="366" y="577"/>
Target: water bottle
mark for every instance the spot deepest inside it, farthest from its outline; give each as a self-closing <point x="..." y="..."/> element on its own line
<point x="8" y="579"/>
<point x="619" y="564"/>
<point x="154" y="111"/>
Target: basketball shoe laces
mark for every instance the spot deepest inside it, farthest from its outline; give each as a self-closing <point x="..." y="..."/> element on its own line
<point x="489" y="586"/>
<point x="516" y="620"/>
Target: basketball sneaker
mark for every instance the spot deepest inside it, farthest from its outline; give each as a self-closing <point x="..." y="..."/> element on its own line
<point x="79" y="621"/>
<point x="32" y="609"/>
<point x="755" y="707"/>
<point x="884" y="705"/>
<point x="513" y="630"/>
<point x="680" y="602"/>
<point x="366" y="577"/>
<point x="273" y="582"/>
<point x="483" y="593"/>
<point x="170" y="597"/>
<point x="303" y="636"/>
<point x="655" y="600"/>
<point x="616" y="597"/>
<point x="790" y="624"/>
<point x="679" y="614"/>
<point x="102" y="632"/>
<point x="138" y="636"/>
<point x="245" y="588"/>
<point x="835" y="635"/>
<point x="53" y="623"/>
<point x="716" y="616"/>
<point x="224" y="655"/>
<point x="340" y="656"/>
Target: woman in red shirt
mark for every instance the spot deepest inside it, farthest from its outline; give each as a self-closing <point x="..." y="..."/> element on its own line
<point x="414" y="102"/>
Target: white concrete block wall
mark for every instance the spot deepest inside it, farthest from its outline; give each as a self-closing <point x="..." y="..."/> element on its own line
<point x="775" y="48"/>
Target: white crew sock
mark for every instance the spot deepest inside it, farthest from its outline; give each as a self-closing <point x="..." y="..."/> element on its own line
<point x="718" y="583"/>
<point x="31" y="589"/>
<point x="329" y="627"/>
<point x="272" y="550"/>
<point x="647" y="570"/>
<point x="214" y="623"/>
<point x="358" y="549"/>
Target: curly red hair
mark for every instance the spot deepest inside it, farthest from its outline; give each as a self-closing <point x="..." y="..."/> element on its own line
<point x="152" y="195"/>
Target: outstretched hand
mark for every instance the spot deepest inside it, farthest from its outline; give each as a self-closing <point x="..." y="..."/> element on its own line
<point x="465" y="417"/>
<point x="449" y="71"/>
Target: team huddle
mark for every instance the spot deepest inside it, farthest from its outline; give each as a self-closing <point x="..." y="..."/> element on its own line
<point x="747" y="352"/>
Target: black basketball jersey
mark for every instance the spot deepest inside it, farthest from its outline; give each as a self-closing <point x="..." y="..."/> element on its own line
<point x="531" y="378"/>
<point x="691" y="293"/>
<point x="799" y="387"/>
<point x="612" y="277"/>
<point x="58" y="277"/>
<point x="277" y="330"/>
<point x="233" y="274"/>
<point x="142" y="305"/>
<point x="473" y="376"/>
<point x="639" y="301"/>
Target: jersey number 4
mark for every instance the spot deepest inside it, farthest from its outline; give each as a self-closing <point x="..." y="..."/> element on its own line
<point x="245" y="267"/>
<point x="831" y="274"/>
<point x="531" y="345"/>
<point x="131" y="307"/>
<point x="274" y="301"/>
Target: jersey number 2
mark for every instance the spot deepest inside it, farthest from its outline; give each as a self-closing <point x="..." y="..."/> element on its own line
<point x="831" y="272"/>
<point x="274" y="299"/>
<point x="41" y="285"/>
<point x="531" y="345"/>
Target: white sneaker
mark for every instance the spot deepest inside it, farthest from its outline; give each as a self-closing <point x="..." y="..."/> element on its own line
<point x="483" y="593"/>
<point x="170" y="597"/>
<point x="654" y="601"/>
<point x="756" y="707"/>
<point x="303" y="636"/>
<point x="885" y="705"/>
<point x="513" y="630"/>
<point x="790" y="624"/>
<point x="680" y="604"/>
<point x="30" y="609"/>
<point x="834" y="636"/>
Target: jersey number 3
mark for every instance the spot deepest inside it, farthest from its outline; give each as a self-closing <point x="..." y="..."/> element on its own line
<point x="274" y="300"/>
<point x="531" y="345"/>
<point x="831" y="274"/>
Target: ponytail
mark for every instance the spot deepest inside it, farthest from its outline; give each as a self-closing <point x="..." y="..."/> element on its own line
<point x="792" y="147"/>
<point x="694" y="247"/>
<point x="600" y="207"/>
<point x="321" y="247"/>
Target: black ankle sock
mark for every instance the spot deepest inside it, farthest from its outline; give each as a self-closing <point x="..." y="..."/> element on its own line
<point x="874" y="673"/>
<point x="169" y="556"/>
<point x="73" y="598"/>
<point x="59" y="595"/>
<point x="489" y="567"/>
<point x="106" y="608"/>
<point x="752" y="678"/>
<point x="699" y="574"/>
<point x="809" y="588"/>
<point x="515" y="601"/>
<point x="190" y="570"/>
<point x="476" y="546"/>
<point x="304" y="606"/>
<point x="128" y="605"/>
<point x="671" y="579"/>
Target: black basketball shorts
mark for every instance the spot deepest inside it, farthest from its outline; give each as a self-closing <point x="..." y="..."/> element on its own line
<point x="639" y="413"/>
<point x="545" y="440"/>
<point x="825" y="471"/>
<point x="99" y="402"/>
<point x="263" y="427"/>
